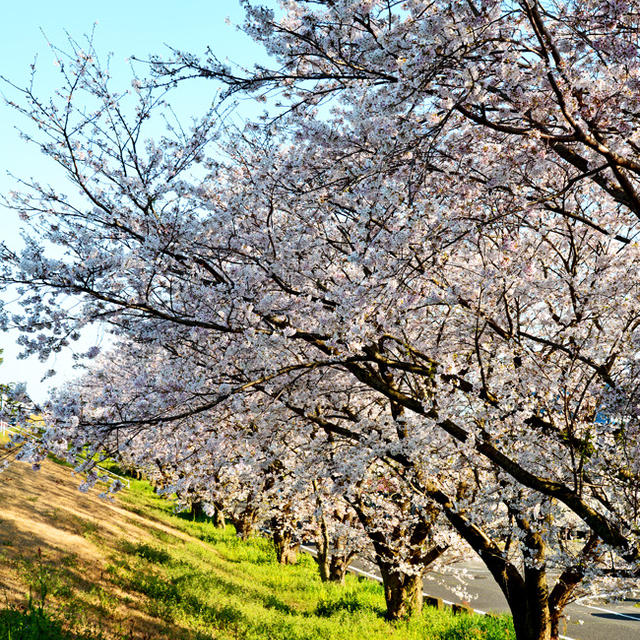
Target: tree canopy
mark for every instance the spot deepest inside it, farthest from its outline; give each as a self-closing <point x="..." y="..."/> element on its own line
<point x="423" y="259"/>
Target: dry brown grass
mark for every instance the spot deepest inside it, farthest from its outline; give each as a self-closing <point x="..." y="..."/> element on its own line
<point x="47" y="525"/>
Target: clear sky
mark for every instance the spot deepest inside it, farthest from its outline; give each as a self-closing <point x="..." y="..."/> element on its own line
<point x="125" y="28"/>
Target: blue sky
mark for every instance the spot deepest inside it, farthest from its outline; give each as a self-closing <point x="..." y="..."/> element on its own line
<point x="131" y="28"/>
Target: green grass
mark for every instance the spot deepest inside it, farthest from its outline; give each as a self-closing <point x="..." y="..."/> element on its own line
<point x="211" y="585"/>
<point x="240" y="590"/>
<point x="31" y="623"/>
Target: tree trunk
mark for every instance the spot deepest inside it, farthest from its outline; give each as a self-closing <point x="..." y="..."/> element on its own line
<point x="322" y="560"/>
<point x="244" y="528"/>
<point x="286" y="549"/>
<point x="196" y="510"/>
<point x="218" y="516"/>
<point x="569" y="580"/>
<point x="527" y="595"/>
<point x="402" y="592"/>
<point x="333" y="568"/>
<point x="338" y="568"/>
<point x="532" y="621"/>
<point x="245" y="523"/>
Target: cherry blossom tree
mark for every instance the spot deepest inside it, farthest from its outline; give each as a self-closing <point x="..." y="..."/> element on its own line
<point x="440" y="223"/>
<point x="266" y="463"/>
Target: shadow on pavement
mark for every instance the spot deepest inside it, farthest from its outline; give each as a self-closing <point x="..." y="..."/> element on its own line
<point x="615" y="616"/>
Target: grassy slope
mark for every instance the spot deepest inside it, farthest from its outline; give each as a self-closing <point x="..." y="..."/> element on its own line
<point x="189" y="580"/>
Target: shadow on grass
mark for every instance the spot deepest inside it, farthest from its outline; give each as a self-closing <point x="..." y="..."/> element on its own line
<point x="194" y="516"/>
<point x="145" y="551"/>
<point x="31" y="623"/>
<point x="171" y="598"/>
<point x="168" y="600"/>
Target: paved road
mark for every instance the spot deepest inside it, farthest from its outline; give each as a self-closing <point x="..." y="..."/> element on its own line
<point x="588" y="619"/>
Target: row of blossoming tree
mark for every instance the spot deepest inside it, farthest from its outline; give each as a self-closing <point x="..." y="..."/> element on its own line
<point x="402" y="307"/>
